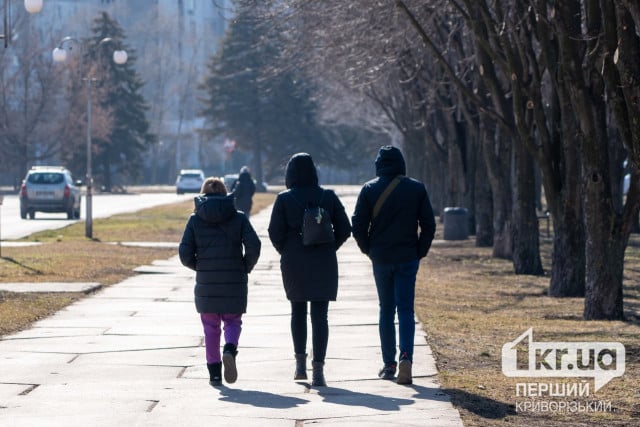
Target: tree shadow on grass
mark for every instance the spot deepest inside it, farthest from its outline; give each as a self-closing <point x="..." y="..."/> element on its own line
<point x="429" y="393"/>
<point x="19" y="264"/>
<point x="481" y="406"/>
<point x="260" y="399"/>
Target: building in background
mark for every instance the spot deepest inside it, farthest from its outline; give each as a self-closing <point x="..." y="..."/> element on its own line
<point x="173" y="41"/>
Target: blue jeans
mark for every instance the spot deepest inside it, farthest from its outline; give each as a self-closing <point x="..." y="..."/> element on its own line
<point x="396" y="284"/>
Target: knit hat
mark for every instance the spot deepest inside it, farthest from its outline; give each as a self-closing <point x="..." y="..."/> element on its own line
<point x="390" y="162"/>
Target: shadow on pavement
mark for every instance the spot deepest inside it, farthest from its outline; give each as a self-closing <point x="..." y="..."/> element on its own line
<point x="259" y="398"/>
<point x="343" y="396"/>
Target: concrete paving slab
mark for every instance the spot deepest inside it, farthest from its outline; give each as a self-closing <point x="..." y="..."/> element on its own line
<point x="12" y="244"/>
<point x="99" y="343"/>
<point x="50" y="332"/>
<point x="182" y="357"/>
<point x="9" y="389"/>
<point x="132" y="354"/>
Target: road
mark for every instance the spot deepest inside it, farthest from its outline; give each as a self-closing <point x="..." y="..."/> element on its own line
<point x="104" y="205"/>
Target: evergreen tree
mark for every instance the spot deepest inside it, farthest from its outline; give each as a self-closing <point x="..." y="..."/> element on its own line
<point x="119" y="93"/>
<point x="251" y="99"/>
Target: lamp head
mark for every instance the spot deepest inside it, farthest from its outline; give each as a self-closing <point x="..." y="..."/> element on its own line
<point x="59" y="54"/>
<point x="33" y="6"/>
<point x="120" y="57"/>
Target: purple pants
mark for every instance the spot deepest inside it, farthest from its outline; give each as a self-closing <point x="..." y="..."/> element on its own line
<point x="211" y="323"/>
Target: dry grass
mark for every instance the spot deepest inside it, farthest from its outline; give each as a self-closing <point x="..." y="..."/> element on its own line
<point x="17" y="311"/>
<point x="65" y="255"/>
<point x="472" y="304"/>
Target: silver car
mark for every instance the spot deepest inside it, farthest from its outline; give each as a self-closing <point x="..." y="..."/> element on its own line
<point x="189" y="181"/>
<point x="49" y="189"/>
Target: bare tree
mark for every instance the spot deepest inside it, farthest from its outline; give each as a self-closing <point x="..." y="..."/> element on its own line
<point x="369" y="45"/>
<point x="29" y="116"/>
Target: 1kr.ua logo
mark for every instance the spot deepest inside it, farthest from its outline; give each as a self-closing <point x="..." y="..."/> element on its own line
<point x="601" y="361"/>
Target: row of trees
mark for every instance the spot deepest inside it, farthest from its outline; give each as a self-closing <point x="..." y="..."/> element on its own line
<point x="255" y="94"/>
<point x="490" y="98"/>
<point x="44" y="108"/>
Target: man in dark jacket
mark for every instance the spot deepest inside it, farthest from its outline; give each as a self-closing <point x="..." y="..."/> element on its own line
<point x="385" y="226"/>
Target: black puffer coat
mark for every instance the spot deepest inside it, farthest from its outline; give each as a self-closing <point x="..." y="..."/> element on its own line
<point x="243" y="191"/>
<point x="212" y="245"/>
<point x="309" y="273"/>
<point x="392" y="237"/>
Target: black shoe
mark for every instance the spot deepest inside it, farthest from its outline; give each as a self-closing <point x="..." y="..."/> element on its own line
<point x="301" y="367"/>
<point x="317" y="375"/>
<point x="229" y="360"/>
<point x="215" y="374"/>
<point x="388" y="371"/>
<point x="404" y="370"/>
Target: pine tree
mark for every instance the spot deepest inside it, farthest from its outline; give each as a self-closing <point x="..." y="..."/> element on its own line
<point x="119" y="93"/>
<point x="251" y="98"/>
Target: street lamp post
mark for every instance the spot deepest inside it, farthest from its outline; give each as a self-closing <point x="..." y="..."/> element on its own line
<point x="119" y="57"/>
<point x="32" y="6"/>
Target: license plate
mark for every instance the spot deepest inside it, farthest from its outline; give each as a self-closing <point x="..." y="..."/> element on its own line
<point x="45" y="194"/>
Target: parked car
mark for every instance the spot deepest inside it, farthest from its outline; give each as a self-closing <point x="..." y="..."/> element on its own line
<point x="189" y="181"/>
<point x="49" y="189"/>
<point x="230" y="180"/>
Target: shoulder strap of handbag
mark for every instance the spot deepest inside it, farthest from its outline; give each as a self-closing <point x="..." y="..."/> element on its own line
<point x="383" y="197"/>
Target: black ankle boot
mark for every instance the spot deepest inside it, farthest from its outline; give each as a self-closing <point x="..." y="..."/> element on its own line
<point x="318" y="374"/>
<point x="301" y="367"/>
<point x="229" y="360"/>
<point x="215" y="374"/>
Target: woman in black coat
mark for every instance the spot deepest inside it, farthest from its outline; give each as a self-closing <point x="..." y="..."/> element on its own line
<point x="222" y="247"/>
<point x="243" y="190"/>
<point x="309" y="273"/>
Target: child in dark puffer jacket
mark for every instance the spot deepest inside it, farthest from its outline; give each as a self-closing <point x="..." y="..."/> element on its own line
<point x="222" y="247"/>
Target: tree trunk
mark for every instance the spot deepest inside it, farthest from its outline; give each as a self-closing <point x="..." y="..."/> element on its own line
<point x="259" y="174"/>
<point x="567" y="260"/>
<point x="497" y="155"/>
<point x="483" y="205"/>
<point x="603" y="300"/>
<point x="433" y="172"/>
<point x="526" y="235"/>
<point x="561" y="178"/>
<point x="605" y="248"/>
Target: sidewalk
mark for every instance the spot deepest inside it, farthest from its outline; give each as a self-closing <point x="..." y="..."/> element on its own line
<point x="132" y="354"/>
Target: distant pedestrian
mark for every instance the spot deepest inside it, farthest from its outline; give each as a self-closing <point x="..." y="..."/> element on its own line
<point x="243" y="190"/>
<point x="222" y="247"/>
<point x="309" y="273"/>
<point x="387" y="231"/>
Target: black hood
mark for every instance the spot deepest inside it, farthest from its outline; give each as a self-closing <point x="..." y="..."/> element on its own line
<point x="390" y="162"/>
<point x="244" y="176"/>
<point x="301" y="172"/>
<point x="214" y="208"/>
